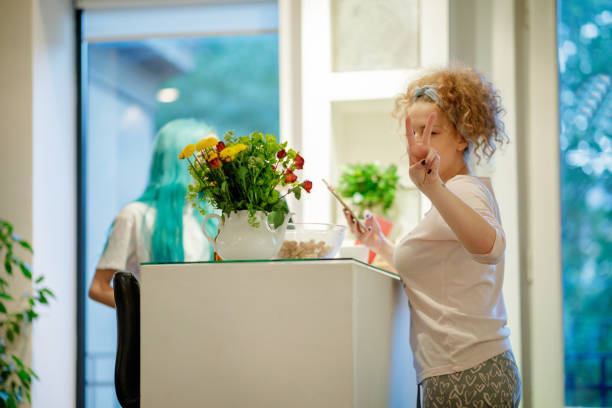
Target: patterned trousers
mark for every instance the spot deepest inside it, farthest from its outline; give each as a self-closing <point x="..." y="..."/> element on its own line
<point x="492" y="383"/>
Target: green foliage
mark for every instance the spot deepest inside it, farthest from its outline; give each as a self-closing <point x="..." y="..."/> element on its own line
<point x="369" y="185"/>
<point x="586" y="132"/>
<point x="16" y="377"/>
<point x="234" y="84"/>
<point x="246" y="178"/>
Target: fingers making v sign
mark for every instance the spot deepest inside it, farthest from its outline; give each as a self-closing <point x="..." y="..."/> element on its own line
<point x="424" y="159"/>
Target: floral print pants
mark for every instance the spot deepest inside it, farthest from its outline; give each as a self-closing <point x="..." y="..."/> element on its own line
<point x="492" y="383"/>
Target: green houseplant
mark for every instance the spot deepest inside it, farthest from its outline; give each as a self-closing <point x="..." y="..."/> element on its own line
<point x="15" y="318"/>
<point x="369" y="186"/>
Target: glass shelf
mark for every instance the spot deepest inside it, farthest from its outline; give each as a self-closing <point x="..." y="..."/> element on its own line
<point x="328" y="261"/>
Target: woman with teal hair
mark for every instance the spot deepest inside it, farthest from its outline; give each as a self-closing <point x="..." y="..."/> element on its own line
<point x="159" y="226"/>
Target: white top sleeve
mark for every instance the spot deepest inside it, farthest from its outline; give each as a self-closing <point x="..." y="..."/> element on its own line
<point x="478" y="196"/>
<point x="121" y="244"/>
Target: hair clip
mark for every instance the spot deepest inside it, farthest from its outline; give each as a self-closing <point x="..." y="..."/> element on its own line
<point x="427" y="90"/>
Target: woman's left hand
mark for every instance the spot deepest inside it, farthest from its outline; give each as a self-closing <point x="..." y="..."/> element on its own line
<point x="424" y="159"/>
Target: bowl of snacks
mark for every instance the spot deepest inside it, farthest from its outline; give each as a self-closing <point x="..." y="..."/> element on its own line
<point x="311" y="240"/>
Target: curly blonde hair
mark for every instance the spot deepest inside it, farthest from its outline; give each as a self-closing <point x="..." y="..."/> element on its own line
<point x="471" y="103"/>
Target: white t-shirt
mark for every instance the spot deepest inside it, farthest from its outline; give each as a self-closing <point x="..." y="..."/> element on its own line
<point x="458" y="315"/>
<point x="127" y="246"/>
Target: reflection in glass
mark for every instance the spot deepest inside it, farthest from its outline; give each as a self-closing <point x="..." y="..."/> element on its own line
<point x="133" y="88"/>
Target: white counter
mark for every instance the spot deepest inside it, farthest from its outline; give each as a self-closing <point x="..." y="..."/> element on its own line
<point x="316" y="333"/>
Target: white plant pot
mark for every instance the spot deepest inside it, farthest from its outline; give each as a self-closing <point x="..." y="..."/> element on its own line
<point x="238" y="240"/>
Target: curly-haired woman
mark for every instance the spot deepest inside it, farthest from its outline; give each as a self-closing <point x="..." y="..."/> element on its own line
<point x="452" y="263"/>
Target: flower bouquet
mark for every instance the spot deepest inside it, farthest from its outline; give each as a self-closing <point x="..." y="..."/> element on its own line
<point x="247" y="176"/>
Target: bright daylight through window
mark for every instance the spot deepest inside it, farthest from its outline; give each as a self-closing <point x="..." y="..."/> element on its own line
<point x="585" y="108"/>
<point x="143" y="68"/>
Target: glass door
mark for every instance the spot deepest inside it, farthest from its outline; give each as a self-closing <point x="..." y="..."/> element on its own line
<point x="142" y="68"/>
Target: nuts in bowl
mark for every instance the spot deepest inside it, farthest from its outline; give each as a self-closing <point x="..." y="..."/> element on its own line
<point x="311" y="240"/>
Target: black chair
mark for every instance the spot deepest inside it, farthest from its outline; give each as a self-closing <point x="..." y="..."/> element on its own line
<point x="127" y="362"/>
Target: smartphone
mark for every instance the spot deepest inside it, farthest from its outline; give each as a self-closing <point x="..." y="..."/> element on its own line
<point x="346" y="207"/>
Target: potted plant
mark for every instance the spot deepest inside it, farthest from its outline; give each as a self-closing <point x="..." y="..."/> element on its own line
<point x="372" y="187"/>
<point x="16" y="319"/>
<point x="369" y="186"/>
<point x="246" y="178"/>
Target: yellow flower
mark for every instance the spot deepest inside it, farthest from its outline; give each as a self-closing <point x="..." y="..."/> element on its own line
<point x="239" y="147"/>
<point x="206" y="143"/>
<point x="182" y="155"/>
<point x="211" y="156"/>
<point x="227" y="154"/>
<point x="189" y="150"/>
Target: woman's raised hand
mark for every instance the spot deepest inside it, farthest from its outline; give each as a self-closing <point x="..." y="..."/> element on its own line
<point x="424" y="159"/>
<point x="372" y="237"/>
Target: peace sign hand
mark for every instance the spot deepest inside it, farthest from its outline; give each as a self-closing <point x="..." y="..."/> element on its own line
<point x="424" y="159"/>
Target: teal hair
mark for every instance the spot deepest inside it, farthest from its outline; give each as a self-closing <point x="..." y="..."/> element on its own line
<point x="167" y="189"/>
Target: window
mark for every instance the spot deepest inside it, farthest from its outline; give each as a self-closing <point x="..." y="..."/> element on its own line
<point x="585" y="106"/>
<point x="140" y="69"/>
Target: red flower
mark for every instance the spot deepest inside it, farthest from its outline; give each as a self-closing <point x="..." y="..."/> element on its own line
<point x="289" y="171"/>
<point x="290" y="178"/>
<point x="220" y="146"/>
<point x="281" y="154"/>
<point x="215" y="162"/>
<point x="299" y="162"/>
<point x="307" y="185"/>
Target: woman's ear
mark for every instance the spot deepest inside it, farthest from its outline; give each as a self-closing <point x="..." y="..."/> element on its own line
<point x="462" y="144"/>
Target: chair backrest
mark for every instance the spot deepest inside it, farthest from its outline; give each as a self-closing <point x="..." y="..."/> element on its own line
<point x="127" y="362"/>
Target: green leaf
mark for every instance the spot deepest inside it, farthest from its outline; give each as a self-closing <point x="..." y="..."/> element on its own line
<point x="242" y="172"/>
<point x="10" y="336"/>
<point x="17" y="360"/>
<point x="25" y="377"/>
<point x="25" y="269"/>
<point x="6" y="296"/>
<point x="32" y="373"/>
<point x="26" y="245"/>
<point x="3" y="308"/>
<point x="40" y="279"/>
<point x="48" y="292"/>
<point x="7" y="264"/>
<point x="276" y="218"/>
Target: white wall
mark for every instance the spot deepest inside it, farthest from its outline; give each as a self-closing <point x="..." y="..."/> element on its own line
<point x="37" y="174"/>
<point x="482" y="36"/>
<point x="54" y="199"/>
<point x="514" y="44"/>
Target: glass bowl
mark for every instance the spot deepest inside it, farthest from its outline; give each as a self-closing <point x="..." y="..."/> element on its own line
<point x="311" y="240"/>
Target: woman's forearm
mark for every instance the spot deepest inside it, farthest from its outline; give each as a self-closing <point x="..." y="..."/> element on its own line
<point x="385" y="249"/>
<point x="474" y="232"/>
<point x="105" y="296"/>
<point x="100" y="289"/>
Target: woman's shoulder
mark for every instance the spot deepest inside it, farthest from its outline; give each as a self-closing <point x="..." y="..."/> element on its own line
<point x="471" y="185"/>
<point x="133" y="211"/>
